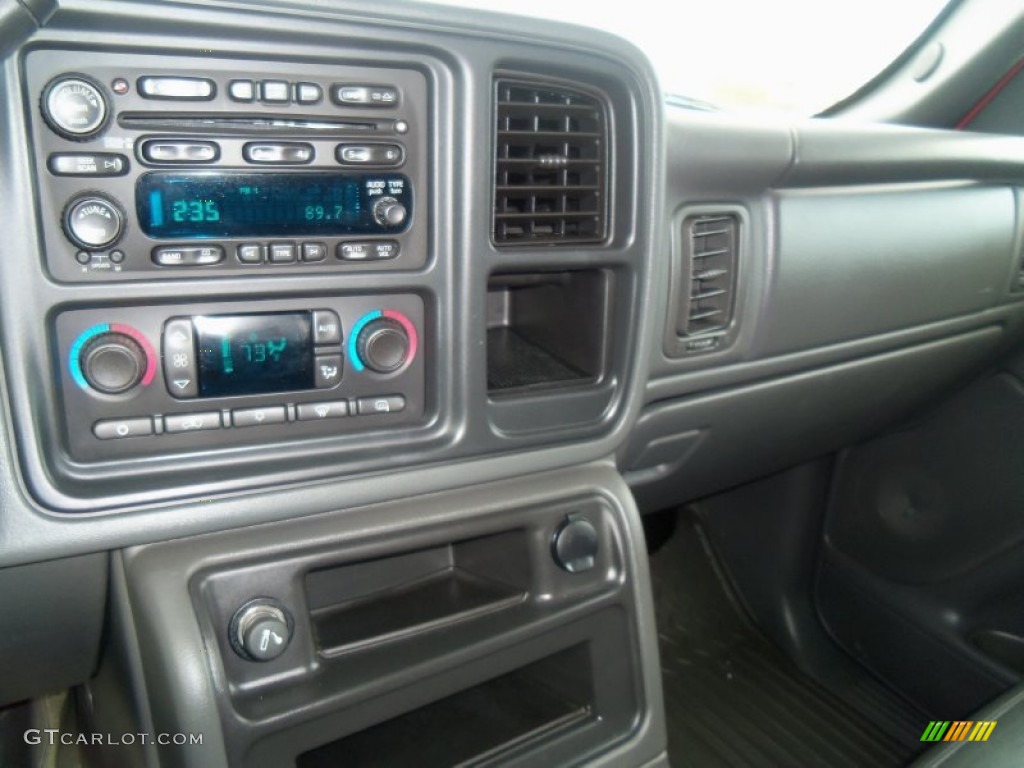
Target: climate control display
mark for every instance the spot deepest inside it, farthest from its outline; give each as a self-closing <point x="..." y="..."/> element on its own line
<point x="239" y="372"/>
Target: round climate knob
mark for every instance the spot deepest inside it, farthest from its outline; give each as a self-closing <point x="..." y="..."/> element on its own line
<point x="112" y="363"/>
<point x="388" y="212"/>
<point x="261" y="630"/>
<point x="93" y="222"/>
<point x="75" y="107"/>
<point x="383" y="345"/>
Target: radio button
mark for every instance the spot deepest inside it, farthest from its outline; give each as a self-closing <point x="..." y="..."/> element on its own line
<point x="192" y="422"/>
<point x="282" y="253"/>
<point x="188" y="256"/>
<point x="369" y="406"/>
<point x="258" y="417"/>
<point x="326" y="327"/>
<point x="385" y="249"/>
<point x="308" y="93"/>
<point x="328" y="371"/>
<point x="314" y="251"/>
<point x="181" y="88"/>
<point x="115" y="429"/>
<point x="179" y="356"/>
<point x="180" y="151"/>
<point x="365" y="95"/>
<point x="277" y="152"/>
<point x="370" y="154"/>
<point x="335" y="409"/>
<point x="242" y="90"/>
<point x="92" y="164"/>
<point x="275" y="92"/>
<point x="251" y="253"/>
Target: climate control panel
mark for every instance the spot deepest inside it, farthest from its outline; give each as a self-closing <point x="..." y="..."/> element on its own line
<point x="154" y="380"/>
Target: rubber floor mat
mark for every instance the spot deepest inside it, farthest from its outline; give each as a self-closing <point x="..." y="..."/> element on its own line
<point x="731" y="698"/>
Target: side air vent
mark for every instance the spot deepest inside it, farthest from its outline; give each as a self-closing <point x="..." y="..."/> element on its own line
<point x="710" y="246"/>
<point x="550" y="165"/>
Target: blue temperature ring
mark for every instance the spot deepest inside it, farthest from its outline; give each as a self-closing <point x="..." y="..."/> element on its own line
<point x="83" y="338"/>
<point x="73" y="365"/>
<point x="353" y="336"/>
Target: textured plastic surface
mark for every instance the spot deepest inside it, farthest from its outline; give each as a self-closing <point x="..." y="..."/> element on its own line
<point x="765" y="427"/>
<point x="53" y="615"/>
<point x="920" y="539"/>
<point x="274" y="711"/>
<point x="864" y="262"/>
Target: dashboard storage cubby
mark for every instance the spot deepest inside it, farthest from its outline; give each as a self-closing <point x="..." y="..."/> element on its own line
<point x="546" y="329"/>
<point x="540" y="699"/>
<point x="352" y="606"/>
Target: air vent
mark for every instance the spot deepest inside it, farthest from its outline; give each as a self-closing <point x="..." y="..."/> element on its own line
<point x="550" y="166"/>
<point x="711" y="243"/>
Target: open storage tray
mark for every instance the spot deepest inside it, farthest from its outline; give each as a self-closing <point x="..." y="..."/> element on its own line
<point x="476" y="724"/>
<point x="546" y="329"/>
<point x="364" y="603"/>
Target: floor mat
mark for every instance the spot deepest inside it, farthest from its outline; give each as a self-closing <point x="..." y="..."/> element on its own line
<point x="731" y="698"/>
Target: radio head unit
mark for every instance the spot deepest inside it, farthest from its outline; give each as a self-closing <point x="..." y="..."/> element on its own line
<point x="148" y="168"/>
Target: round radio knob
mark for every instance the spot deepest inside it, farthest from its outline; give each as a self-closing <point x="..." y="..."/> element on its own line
<point x="388" y="212"/>
<point x="93" y="222"/>
<point x="74" y="107"/>
<point x="112" y="363"/>
<point x="383" y="345"/>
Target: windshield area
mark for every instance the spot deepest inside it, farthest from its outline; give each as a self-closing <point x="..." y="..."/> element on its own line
<point x="789" y="56"/>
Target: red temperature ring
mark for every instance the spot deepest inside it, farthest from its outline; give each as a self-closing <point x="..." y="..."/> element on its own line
<point x="127" y="330"/>
<point x="410" y="329"/>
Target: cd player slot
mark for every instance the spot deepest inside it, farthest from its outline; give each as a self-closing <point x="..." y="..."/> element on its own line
<point x="245" y="125"/>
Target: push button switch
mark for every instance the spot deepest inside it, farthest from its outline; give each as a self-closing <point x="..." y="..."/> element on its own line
<point x="258" y="417"/>
<point x="326" y="327"/>
<point x="278" y="152"/>
<point x="188" y="256"/>
<point x="328" y="371"/>
<point x="192" y="422"/>
<point x="177" y="88"/>
<point x="115" y="429"/>
<point x="370" y="154"/>
<point x="335" y="409"/>
<point x="370" y="406"/>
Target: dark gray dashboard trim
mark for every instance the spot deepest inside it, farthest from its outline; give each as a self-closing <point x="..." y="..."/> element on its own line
<point x="30" y="531"/>
<point x="157" y="578"/>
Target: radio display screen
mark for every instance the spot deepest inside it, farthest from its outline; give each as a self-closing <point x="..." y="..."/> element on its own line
<point x="209" y="205"/>
<point x="254" y="354"/>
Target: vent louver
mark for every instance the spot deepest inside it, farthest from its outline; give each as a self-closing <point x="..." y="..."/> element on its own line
<point x="711" y="243"/>
<point x="550" y="165"/>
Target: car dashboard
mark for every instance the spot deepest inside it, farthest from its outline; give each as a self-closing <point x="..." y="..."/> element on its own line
<point x="344" y="345"/>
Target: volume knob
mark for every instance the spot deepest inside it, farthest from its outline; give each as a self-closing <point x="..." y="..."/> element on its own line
<point x="74" y="107"/>
<point x="383" y="345"/>
<point x="388" y="212"/>
<point x="112" y="363"/>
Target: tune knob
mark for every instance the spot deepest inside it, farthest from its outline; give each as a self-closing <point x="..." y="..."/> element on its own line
<point x="112" y="363"/>
<point x="93" y="222"/>
<point x="74" y="107"/>
<point x="388" y="212"/>
<point x="383" y="345"/>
